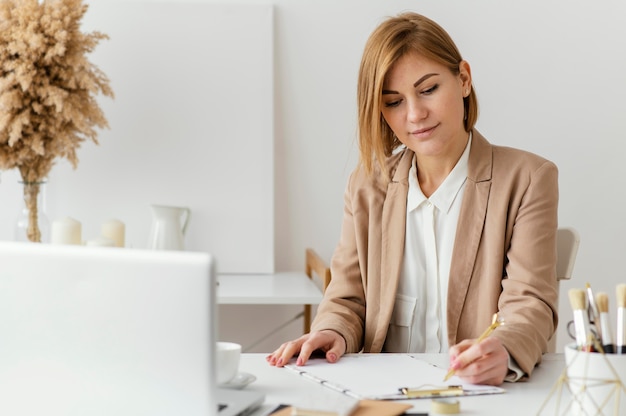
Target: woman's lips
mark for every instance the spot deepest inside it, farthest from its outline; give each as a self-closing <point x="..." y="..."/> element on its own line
<point x="421" y="133"/>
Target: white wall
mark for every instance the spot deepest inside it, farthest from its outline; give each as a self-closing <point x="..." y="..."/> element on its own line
<point x="174" y="138"/>
<point x="549" y="77"/>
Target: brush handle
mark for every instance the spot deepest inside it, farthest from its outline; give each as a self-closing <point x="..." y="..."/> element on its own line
<point x="581" y="325"/>
<point x="621" y="330"/>
<point x="592" y="310"/>
<point x="607" y="335"/>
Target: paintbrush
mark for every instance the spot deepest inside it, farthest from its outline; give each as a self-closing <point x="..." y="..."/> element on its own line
<point x="602" y="300"/>
<point x="621" y="318"/>
<point x="593" y="313"/>
<point x="578" y="300"/>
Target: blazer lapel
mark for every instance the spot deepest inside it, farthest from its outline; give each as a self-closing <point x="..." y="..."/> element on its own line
<point x="392" y="245"/>
<point x="469" y="229"/>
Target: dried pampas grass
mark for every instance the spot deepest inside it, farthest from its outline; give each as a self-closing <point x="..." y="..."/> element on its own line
<point x="47" y="86"/>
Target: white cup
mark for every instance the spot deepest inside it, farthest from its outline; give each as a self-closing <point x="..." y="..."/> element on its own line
<point x="228" y="354"/>
<point x="594" y="382"/>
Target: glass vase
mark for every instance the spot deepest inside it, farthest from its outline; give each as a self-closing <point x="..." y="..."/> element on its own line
<point x="32" y="223"/>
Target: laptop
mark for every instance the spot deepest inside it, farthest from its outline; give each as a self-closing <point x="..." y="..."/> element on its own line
<point x="110" y="331"/>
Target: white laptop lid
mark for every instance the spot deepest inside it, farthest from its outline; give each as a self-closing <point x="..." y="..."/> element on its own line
<point x="107" y="331"/>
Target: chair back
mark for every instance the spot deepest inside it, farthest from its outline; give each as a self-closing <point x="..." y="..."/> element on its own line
<point x="315" y="266"/>
<point x="567" y="242"/>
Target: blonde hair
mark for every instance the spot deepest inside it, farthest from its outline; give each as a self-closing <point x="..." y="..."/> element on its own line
<point x="407" y="32"/>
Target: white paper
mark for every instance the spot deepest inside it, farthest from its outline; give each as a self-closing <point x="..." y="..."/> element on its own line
<point x="380" y="376"/>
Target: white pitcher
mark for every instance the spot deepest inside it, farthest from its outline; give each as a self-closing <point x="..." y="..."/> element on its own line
<point x="169" y="225"/>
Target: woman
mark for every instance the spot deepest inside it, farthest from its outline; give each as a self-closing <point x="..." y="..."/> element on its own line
<point x="441" y="229"/>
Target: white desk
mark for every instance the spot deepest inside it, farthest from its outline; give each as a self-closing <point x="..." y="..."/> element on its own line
<point x="525" y="398"/>
<point x="288" y="288"/>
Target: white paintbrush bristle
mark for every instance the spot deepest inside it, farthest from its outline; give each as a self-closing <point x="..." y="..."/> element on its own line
<point x="602" y="299"/>
<point x="620" y="291"/>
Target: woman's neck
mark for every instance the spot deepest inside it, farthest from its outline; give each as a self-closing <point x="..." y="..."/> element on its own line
<point x="433" y="170"/>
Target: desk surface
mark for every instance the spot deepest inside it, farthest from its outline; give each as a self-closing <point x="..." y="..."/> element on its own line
<point x="288" y="288"/>
<point x="524" y="398"/>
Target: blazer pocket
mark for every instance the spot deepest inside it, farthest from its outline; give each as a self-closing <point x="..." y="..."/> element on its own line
<point x="399" y="332"/>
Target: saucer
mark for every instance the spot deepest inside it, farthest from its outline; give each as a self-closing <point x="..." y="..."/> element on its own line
<point x="240" y="381"/>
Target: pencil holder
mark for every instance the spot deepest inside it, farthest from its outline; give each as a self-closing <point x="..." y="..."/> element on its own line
<point x="596" y="382"/>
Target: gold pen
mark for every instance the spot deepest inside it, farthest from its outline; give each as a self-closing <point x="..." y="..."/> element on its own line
<point x="495" y="322"/>
<point x="417" y="392"/>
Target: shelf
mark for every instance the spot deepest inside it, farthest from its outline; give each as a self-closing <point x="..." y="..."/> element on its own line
<point x="287" y="288"/>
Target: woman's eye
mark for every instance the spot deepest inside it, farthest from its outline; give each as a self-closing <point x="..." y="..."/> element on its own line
<point x="392" y="103"/>
<point x="430" y="90"/>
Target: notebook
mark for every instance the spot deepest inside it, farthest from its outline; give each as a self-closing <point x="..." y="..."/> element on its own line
<point x="398" y="377"/>
<point x="110" y="331"/>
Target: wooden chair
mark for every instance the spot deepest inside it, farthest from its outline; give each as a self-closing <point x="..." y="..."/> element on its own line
<point x="567" y="242"/>
<point x="315" y="266"/>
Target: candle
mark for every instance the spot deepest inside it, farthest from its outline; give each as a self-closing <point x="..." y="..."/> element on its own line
<point x="114" y="230"/>
<point x="66" y="231"/>
<point x="101" y="242"/>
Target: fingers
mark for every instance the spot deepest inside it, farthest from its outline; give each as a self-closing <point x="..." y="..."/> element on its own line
<point x="482" y="363"/>
<point x="457" y="349"/>
<point x="312" y="344"/>
<point x="286" y="351"/>
<point x="467" y="351"/>
<point x="327" y="341"/>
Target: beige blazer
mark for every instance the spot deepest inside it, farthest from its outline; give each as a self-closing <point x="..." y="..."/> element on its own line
<point x="504" y="256"/>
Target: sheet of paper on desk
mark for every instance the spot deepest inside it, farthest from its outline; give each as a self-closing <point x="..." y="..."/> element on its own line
<point x="380" y="376"/>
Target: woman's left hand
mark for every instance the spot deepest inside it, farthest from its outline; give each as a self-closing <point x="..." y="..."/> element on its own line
<point x="483" y="363"/>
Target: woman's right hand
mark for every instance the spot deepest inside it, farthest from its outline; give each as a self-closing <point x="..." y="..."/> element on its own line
<point x="328" y="341"/>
